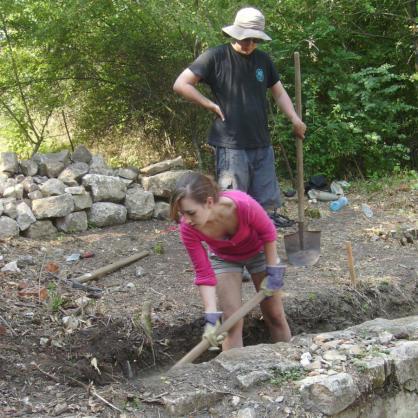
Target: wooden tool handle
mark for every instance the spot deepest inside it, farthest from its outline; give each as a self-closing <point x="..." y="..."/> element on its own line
<point x="299" y="150"/>
<point x="225" y="327"/>
<point x="110" y="267"/>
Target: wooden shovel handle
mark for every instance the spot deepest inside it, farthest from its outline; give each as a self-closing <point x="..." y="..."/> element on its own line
<point x="225" y="327"/>
<point x="299" y="142"/>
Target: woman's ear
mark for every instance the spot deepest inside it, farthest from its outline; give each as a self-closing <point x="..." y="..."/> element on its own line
<point x="210" y="201"/>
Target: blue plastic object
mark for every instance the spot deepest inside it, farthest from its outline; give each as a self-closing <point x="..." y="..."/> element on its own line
<point x="336" y="205"/>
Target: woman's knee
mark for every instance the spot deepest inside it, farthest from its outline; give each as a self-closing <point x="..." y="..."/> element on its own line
<point x="273" y="313"/>
<point x="275" y="319"/>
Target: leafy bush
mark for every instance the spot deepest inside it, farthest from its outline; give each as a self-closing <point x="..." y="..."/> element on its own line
<point x="110" y="67"/>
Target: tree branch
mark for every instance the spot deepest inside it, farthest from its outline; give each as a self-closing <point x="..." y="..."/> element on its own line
<point x="16" y="74"/>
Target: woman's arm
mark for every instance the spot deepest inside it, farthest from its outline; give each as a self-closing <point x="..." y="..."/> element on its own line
<point x="270" y="251"/>
<point x="208" y="294"/>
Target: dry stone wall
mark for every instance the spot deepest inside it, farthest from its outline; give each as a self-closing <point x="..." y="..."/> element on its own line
<point x="69" y="192"/>
<point x="365" y="371"/>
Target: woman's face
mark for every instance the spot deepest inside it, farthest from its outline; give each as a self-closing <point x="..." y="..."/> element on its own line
<point x="194" y="213"/>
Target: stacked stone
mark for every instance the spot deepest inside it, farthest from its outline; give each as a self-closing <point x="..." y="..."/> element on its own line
<point x="70" y="192"/>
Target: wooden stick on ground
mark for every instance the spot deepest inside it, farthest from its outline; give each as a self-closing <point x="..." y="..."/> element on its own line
<point x="110" y="268"/>
<point x="350" y="260"/>
<point x="91" y="391"/>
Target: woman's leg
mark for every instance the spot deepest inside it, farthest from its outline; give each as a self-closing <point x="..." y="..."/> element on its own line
<point x="228" y="290"/>
<point x="273" y="312"/>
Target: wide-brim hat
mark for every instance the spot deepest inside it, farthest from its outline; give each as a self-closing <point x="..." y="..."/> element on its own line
<point x="249" y="23"/>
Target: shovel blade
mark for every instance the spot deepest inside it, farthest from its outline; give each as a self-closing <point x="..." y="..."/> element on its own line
<point x="306" y="254"/>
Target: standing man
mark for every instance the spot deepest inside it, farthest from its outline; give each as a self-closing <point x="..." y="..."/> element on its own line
<point x="239" y="76"/>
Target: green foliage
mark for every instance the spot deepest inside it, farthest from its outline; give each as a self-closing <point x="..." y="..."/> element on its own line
<point x="159" y="248"/>
<point x="109" y="68"/>
<point x="376" y="183"/>
<point x="55" y="298"/>
<point x="312" y="296"/>
<point x="362" y="132"/>
<point x="280" y="377"/>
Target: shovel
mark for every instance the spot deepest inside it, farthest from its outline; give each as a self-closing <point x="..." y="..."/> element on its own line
<point x="225" y="327"/>
<point x="302" y="247"/>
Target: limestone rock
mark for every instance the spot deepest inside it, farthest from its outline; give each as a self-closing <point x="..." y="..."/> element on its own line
<point x="246" y="381"/>
<point x="24" y="217"/>
<point x="52" y="187"/>
<point x="8" y="227"/>
<point x="405" y="360"/>
<point x="53" y="207"/>
<point x="73" y="173"/>
<point x="9" y="207"/>
<point x="82" y="201"/>
<point x="40" y="179"/>
<point x="105" y="188"/>
<point x="61" y="156"/>
<point x="329" y="394"/>
<point x="81" y="154"/>
<point x="9" y="162"/>
<point x="36" y="194"/>
<point x="75" y="190"/>
<point x="377" y="369"/>
<point x="161" y="210"/>
<point x="73" y="222"/>
<point x="246" y="413"/>
<point x="41" y="229"/>
<point x="162" y="185"/>
<point x="14" y="192"/>
<point x="129" y="173"/>
<point x="99" y="166"/>
<point x="184" y="403"/>
<point x="50" y="168"/>
<point x="129" y="183"/>
<point x="139" y="203"/>
<point x="162" y="166"/>
<point x="29" y="185"/>
<point x="263" y="357"/>
<point x="28" y="167"/>
<point x="334" y="355"/>
<point x="106" y="214"/>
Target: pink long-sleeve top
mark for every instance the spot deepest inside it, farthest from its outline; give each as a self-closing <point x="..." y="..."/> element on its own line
<point x="255" y="229"/>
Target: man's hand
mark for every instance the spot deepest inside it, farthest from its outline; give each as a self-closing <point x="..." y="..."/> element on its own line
<point x="274" y="280"/>
<point x="217" y="110"/>
<point x="299" y="128"/>
<point x="212" y="323"/>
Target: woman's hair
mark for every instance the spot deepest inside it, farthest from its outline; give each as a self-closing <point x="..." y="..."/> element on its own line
<point x="196" y="186"/>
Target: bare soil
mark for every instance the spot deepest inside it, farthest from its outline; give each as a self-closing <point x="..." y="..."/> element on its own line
<point x="48" y="369"/>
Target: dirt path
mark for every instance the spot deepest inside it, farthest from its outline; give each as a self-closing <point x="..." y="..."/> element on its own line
<point x="43" y="365"/>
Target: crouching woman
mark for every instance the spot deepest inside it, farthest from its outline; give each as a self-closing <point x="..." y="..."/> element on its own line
<point x="238" y="234"/>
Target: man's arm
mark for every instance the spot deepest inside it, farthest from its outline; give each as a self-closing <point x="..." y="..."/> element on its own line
<point x="185" y="85"/>
<point x="286" y="106"/>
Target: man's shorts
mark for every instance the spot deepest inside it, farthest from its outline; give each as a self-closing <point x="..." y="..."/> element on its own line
<point x="254" y="264"/>
<point x="251" y="170"/>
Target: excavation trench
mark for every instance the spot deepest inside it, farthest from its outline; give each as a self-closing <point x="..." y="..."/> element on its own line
<point x="121" y="347"/>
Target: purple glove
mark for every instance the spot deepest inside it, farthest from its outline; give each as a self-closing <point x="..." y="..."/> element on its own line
<point x="212" y="317"/>
<point x="274" y="280"/>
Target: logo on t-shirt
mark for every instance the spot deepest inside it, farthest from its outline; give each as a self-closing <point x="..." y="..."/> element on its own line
<point x="259" y="74"/>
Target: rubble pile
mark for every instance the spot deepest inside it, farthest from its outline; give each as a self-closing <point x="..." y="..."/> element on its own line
<point x="70" y="192"/>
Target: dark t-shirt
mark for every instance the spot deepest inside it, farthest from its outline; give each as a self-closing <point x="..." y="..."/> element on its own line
<point x="239" y="84"/>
